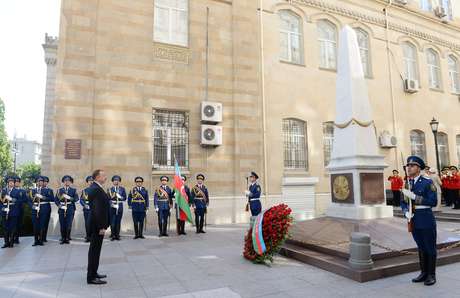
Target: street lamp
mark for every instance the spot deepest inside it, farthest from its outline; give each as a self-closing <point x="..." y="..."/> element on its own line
<point x="434" y="128"/>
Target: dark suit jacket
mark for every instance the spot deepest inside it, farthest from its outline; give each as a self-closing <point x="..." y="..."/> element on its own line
<point x="99" y="204"/>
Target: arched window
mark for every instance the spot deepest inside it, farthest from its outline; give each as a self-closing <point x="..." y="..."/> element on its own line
<point x="417" y="143"/>
<point x="410" y="61"/>
<point x="171" y="22"/>
<point x="453" y="74"/>
<point x="295" y="144"/>
<point x="290" y="37"/>
<point x="363" y="42"/>
<point x="443" y="149"/>
<point x="328" y="141"/>
<point x="434" y="69"/>
<point x="327" y="38"/>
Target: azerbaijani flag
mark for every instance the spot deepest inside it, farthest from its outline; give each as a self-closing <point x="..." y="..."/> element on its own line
<point x="181" y="196"/>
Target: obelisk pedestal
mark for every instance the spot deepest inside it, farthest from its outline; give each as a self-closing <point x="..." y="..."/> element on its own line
<point x="356" y="167"/>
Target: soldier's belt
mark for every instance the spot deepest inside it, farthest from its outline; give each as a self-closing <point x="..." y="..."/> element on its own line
<point x="138" y="201"/>
<point x="199" y="198"/>
<point x="163" y="200"/>
<point x="64" y="203"/>
<point x="255" y="199"/>
<point x="422" y="207"/>
<point x="42" y="203"/>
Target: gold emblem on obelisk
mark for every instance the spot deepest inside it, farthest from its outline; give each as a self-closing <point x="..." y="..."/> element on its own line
<point x="341" y="188"/>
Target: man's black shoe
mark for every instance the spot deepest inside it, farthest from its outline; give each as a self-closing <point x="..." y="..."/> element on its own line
<point x="101" y="275"/>
<point x="96" y="281"/>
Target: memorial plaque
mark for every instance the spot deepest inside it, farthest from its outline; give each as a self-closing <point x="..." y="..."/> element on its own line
<point x="342" y="188"/>
<point x="372" y="188"/>
<point x="72" y="149"/>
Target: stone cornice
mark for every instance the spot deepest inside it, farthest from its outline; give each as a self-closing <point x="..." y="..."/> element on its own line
<point x="334" y="9"/>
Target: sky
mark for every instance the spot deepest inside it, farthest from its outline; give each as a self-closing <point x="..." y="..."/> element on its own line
<point x="23" y="24"/>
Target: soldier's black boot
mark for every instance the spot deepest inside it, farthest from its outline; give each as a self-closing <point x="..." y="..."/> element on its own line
<point x="67" y="239"/>
<point x="423" y="268"/>
<point x="45" y="233"/>
<point x="40" y="242"/>
<point x="197" y="224"/>
<point x="201" y="224"/>
<point x="6" y="238"/>
<point x="141" y="230"/>
<point x="165" y="229"/>
<point x="136" y="231"/>
<point x="62" y="241"/>
<point x="182" y="224"/>
<point x="35" y="239"/>
<point x="160" y="229"/>
<point x="178" y="230"/>
<point x="431" y="269"/>
<point x="11" y="237"/>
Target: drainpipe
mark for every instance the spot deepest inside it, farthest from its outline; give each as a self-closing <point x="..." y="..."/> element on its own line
<point x="262" y="82"/>
<point x="390" y="77"/>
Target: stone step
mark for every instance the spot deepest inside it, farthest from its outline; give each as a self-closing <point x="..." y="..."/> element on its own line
<point x="382" y="268"/>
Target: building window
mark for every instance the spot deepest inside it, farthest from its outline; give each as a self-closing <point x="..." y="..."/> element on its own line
<point x="295" y="144"/>
<point x="327" y="38"/>
<point x="170" y="139"/>
<point x="410" y="61"/>
<point x="171" y="22"/>
<point x="458" y="148"/>
<point x="417" y="143"/>
<point x="328" y="141"/>
<point x="434" y="69"/>
<point x="453" y="74"/>
<point x="290" y="37"/>
<point x="426" y="5"/>
<point x="443" y="149"/>
<point x="363" y="42"/>
<point x="447" y="5"/>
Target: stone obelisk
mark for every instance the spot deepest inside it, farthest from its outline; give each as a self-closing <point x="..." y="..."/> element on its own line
<point x="356" y="167"/>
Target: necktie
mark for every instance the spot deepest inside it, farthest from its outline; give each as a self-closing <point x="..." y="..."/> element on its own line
<point x="411" y="182"/>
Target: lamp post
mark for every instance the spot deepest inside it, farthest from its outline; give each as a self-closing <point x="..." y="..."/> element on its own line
<point x="434" y="128"/>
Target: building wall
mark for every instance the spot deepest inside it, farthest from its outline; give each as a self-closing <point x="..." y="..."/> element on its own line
<point x="111" y="75"/>
<point x="307" y="92"/>
<point x="27" y="151"/>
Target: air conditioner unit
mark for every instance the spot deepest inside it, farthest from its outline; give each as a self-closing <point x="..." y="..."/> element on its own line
<point x="211" y="135"/>
<point x="411" y="86"/>
<point x="211" y="112"/>
<point x="440" y="12"/>
<point x="386" y="140"/>
<point x="400" y="2"/>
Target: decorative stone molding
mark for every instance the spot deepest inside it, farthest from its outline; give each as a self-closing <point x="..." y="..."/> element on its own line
<point x="334" y="9"/>
<point x="170" y="53"/>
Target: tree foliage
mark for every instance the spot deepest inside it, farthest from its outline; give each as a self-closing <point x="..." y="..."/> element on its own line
<point x="28" y="172"/>
<point x="6" y="161"/>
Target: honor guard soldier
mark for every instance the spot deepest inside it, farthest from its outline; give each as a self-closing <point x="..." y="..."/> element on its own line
<point x="421" y="195"/>
<point x="40" y="204"/>
<point x="11" y="199"/>
<point x="200" y="202"/>
<point x="65" y="199"/>
<point x="23" y="195"/>
<point x="117" y="195"/>
<point x="180" y="224"/>
<point x="84" y="202"/>
<point x="163" y="201"/>
<point x="138" y="202"/>
<point x="48" y="192"/>
<point x="253" y="194"/>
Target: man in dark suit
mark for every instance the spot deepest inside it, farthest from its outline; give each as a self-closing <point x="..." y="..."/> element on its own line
<point x="100" y="213"/>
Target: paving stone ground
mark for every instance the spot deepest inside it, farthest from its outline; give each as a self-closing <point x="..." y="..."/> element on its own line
<point x="204" y="265"/>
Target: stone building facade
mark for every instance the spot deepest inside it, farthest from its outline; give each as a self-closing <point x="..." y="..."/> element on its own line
<point x="132" y="75"/>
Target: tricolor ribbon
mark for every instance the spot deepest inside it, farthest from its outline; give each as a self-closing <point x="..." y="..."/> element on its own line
<point x="257" y="235"/>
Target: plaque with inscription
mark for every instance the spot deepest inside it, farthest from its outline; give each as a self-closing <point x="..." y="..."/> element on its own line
<point x="372" y="188"/>
<point x="342" y="188"/>
<point x="72" y="149"/>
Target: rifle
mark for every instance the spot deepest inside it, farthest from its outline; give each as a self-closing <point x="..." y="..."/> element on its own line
<point x="7" y="209"/>
<point x="247" y="196"/>
<point x="410" y="223"/>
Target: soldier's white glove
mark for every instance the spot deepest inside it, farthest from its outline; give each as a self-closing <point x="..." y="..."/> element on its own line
<point x="66" y="196"/>
<point x="35" y="207"/>
<point x="6" y="209"/>
<point x="407" y="215"/>
<point x="64" y="207"/>
<point x="8" y="198"/>
<point x="115" y="206"/>
<point x="407" y="193"/>
<point x="146" y="210"/>
<point x="119" y="196"/>
<point x="39" y="196"/>
<point x="247" y="192"/>
<point x="157" y="209"/>
<point x="87" y="207"/>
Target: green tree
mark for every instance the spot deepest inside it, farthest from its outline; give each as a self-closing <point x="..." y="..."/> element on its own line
<point x="28" y="172"/>
<point x="6" y="161"/>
